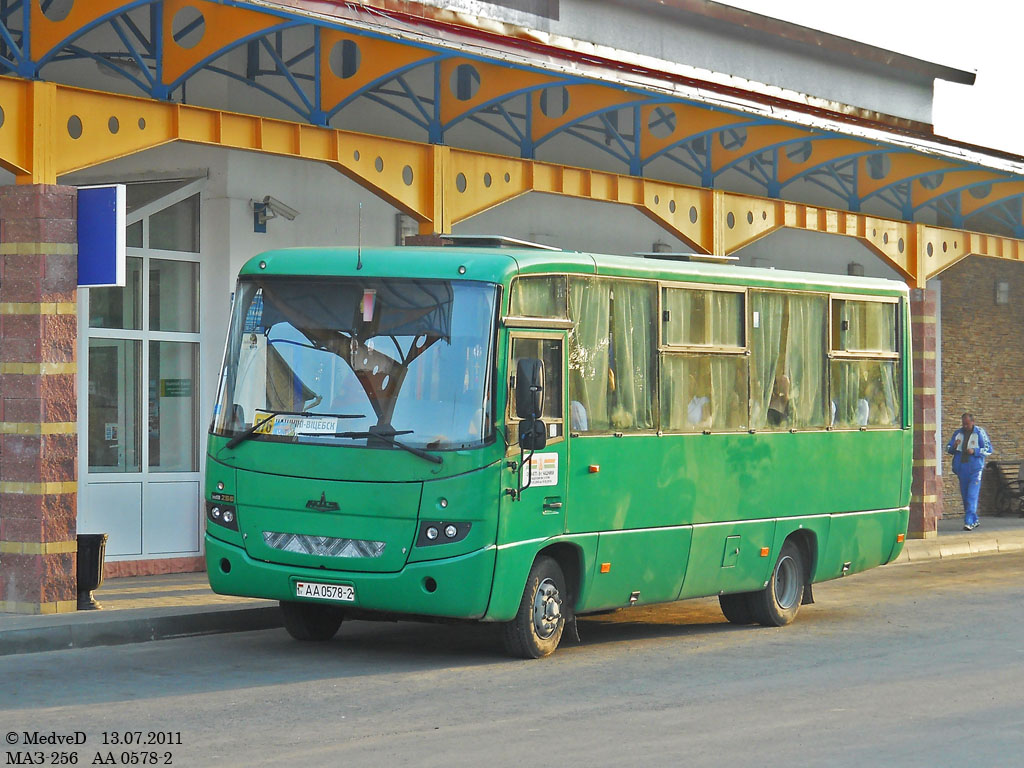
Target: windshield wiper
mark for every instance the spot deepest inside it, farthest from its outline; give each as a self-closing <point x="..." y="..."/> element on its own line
<point x="388" y="436"/>
<point x="234" y="441"/>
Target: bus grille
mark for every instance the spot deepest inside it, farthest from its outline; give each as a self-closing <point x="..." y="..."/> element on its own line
<point x="323" y="546"/>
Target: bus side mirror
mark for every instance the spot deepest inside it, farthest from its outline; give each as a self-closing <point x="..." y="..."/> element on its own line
<point x="529" y="388"/>
<point x="533" y="435"/>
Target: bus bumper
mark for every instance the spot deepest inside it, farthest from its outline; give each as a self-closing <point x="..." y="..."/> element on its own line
<point x="461" y="585"/>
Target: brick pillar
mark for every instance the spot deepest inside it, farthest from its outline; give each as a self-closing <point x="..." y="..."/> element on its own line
<point x="926" y="489"/>
<point x="38" y="407"/>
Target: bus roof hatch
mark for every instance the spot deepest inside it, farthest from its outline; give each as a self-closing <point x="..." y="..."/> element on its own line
<point x="493" y="241"/>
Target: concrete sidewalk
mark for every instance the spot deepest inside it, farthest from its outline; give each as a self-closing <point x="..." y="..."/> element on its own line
<point x="142" y="608"/>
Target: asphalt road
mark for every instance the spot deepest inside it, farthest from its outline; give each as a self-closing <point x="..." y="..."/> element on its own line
<point x="902" y="666"/>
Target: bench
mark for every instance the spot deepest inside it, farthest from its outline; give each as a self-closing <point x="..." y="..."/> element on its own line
<point x="1009" y="487"/>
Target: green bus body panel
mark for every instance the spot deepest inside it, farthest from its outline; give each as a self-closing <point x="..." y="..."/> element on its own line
<point x="651" y="562"/>
<point x="726" y="557"/>
<point x="471" y="498"/>
<point x="373" y="512"/>
<point x="650" y="481"/>
<point x="354" y="463"/>
<point x="862" y="539"/>
<point x="463" y="583"/>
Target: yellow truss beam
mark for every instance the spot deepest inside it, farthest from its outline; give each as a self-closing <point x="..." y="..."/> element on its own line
<point x="51" y="130"/>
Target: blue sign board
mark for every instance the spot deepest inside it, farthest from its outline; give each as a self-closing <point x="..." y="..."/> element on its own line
<point x="101" y="235"/>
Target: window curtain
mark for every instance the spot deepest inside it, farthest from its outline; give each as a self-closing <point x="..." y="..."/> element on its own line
<point x="766" y="338"/>
<point x="539" y="297"/>
<point x="589" y="307"/>
<point x="679" y="303"/>
<point x="805" y="360"/>
<point x="871" y="326"/>
<point x="633" y="305"/>
<point x="726" y="322"/>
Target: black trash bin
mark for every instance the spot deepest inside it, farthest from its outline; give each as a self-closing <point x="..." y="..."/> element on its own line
<point x="92" y="549"/>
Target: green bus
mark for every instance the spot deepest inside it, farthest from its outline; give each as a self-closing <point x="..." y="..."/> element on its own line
<point x="524" y="435"/>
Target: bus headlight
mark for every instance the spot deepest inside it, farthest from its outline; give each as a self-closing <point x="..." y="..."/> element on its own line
<point x="430" y="532"/>
<point x="222" y="514"/>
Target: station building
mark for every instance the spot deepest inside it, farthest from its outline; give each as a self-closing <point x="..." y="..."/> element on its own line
<point x="602" y="125"/>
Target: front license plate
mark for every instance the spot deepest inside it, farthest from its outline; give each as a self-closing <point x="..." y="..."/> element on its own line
<point x="340" y="592"/>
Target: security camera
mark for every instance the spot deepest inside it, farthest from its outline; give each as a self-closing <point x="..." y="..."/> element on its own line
<point x="272" y="208"/>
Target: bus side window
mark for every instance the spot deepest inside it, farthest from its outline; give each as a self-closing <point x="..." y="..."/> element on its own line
<point x="865" y="371"/>
<point x="788" y="357"/>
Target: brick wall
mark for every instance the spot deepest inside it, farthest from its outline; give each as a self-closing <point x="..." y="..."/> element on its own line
<point x="982" y="364"/>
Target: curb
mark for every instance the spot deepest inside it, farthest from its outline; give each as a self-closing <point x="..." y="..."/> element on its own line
<point x="921" y="550"/>
<point x="121" y="631"/>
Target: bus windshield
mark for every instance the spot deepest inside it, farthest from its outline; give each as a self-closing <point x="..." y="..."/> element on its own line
<point x="359" y="361"/>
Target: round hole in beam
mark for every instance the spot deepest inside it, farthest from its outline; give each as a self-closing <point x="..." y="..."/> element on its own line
<point x="57" y="10"/>
<point x="113" y="125"/>
<point x="930" y="249"/>
<point x="750" y="217"/>
<point x="379" y="164"/>
<point x="465" y="82"/>
<point x="407" y="175"/>
<point x="508" y="178"/>
<point x="75" y="127"/>
<point x="730" y="220"/>
<point x="345" y="59"/>
<point x="693" y="214"/>
<point x="900" y="245"/>
<point x="554" y="101"/>
<point x="885" y="238"/>
<point x="460" y="182"/>
<point x="487" y="180"/>
<point x="188" y="27"/>
<point x="2" y="117"/>
<point x="142" y="123"/>
<point x="945" y="246"/>
<point x="671" y="206"/>
<point x="657" y="199"/>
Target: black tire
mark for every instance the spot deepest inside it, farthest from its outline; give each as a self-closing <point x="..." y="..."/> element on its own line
<point x="777" y="604"/>
<point x="736" y="608"/>
<point x="537" y="628"/>
<point x="311" y="622"/>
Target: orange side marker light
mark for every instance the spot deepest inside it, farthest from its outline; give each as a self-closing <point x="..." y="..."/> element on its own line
<point x="594" y="469"/>
<point x="765" y="551"/>
<point x="900" y="537"/>
<point x="606" y="567"/>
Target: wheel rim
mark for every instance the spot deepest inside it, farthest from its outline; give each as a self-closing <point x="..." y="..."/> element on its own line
<point x="547" y="609"/>
<point x="787" y="582"/>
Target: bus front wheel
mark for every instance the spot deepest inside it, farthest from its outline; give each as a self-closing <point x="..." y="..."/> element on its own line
<point x="736" y="608"/>
<point x="537" y="627"/>
<point x="776" y="605"/>
<point x="309" y="621"/>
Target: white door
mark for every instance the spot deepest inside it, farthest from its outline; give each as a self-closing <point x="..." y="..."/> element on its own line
<point x="140" y="351"/>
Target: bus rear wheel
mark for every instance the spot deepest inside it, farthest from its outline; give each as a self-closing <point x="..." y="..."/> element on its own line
<point x="311" y="622"/>
<point x="537" y="628"/>
<point x="776" y="605"/>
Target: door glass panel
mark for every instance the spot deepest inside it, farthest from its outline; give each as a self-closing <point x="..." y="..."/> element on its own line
<point x="133" y="235"/>
<point x="115" y="374"/>
<point x="548" y="351"/>
<point x="176" y="228"/>
<point x="119" y="307"/>
<point x="172" y="406"/>
<point x="173" y="295"/>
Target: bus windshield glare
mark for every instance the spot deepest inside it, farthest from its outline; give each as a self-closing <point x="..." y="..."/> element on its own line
<point x="358" y="362"/>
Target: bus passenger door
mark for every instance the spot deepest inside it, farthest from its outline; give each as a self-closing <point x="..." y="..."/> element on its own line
<point x="534" y="492"/>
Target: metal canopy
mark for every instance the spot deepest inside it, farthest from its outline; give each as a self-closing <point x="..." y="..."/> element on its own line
<point x="325" y="71"/>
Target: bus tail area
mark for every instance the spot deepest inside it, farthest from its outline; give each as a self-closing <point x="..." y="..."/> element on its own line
<point x="528" y="436"/>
